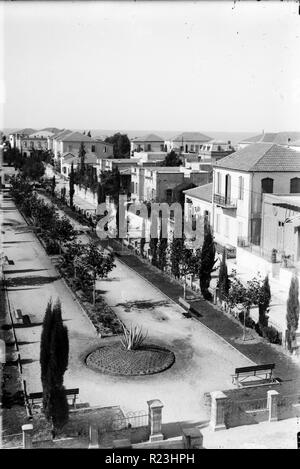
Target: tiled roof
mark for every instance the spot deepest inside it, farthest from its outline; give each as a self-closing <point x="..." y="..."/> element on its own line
<point x="76" y="137"/>
<point x="42" y="134"/>
<point x="262" y="157"/>
<point x="280" y="138"/>
<point x="62" y="134"/>
<point x="148" y="138"/>
<point x="201" y="192"/>
<point x="192" y="137"/>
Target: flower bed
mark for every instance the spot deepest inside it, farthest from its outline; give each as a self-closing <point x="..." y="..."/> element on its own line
<point x="115" y="360"/>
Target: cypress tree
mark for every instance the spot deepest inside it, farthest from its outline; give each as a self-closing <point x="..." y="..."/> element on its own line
<point x="177" y="246"/>
<point x="264" y="302"/>
<point x="71" y="185"/>
<point x="292" y="316"/>
<point x="224" y="282"/>
<point x="208" y="261"/>
<point x="54" y="362"/>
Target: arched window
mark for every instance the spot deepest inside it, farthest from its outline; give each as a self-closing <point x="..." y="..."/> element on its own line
<point x="169" y="195"/>
<point x="267" y="185"/>
<point x="295" y="186"/>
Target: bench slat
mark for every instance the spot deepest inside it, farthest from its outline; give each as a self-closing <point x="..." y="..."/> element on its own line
<point x="248" y="369"/>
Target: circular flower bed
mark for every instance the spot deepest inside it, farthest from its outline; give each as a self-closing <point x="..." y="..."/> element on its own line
<point x="115" y="360"/>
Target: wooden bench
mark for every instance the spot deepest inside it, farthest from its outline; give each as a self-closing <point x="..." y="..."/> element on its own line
<point x="37" y="397"/>
<point x="263" y="372"/>
<point x="18" y="314"/>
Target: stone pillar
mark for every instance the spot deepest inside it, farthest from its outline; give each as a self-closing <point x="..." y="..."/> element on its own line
<point x="273" y="405"/>
<point x="27" y="436"/>
<point x="192" y="438"/>
<point x="217" y="416"/>
<point x="155" y="413"/>
<point x="93" y="436"/>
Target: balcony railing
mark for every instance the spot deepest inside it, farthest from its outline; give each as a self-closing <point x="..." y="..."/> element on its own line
<point x="223" y="201"/>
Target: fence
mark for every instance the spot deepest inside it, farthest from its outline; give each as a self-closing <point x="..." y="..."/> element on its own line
<point x="245" y="412"/>
<point x="288" y="406"/>
<point x="130" y="420"/>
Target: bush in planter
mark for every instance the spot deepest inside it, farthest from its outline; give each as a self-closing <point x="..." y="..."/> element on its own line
<point x="270" y="333"/>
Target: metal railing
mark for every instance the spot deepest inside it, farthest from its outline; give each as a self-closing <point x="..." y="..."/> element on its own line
<point x="224" y="201"/>
<point x="130" y="420"/>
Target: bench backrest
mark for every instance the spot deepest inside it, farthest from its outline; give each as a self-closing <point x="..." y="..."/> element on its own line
<point x="39" y="395"/>
<point x="249" y="369"/>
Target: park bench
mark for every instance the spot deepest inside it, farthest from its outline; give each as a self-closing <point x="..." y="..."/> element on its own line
<point x="262" y="372"/>
<point x="37" y="397"/>
<point x="18" y="314"/>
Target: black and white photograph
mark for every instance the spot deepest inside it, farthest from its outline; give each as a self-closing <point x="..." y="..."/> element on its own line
<point x="150" y="227"/>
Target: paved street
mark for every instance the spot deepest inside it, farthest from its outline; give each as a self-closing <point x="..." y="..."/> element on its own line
<point x="203" y="361"/>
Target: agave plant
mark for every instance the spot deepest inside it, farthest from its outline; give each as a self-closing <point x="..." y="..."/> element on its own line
<point x="133" y="338"/>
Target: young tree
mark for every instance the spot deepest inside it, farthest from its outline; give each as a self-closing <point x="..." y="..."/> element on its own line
<point x="62" y="231"/>
<point x="244" y="296"/>
<point x="172" y="159"/>
<point x="208" y="260"/>
<point x="292" y="315"/>
<point x="97" y="264"/>
<point x="54" y="354"/>
<point x="71" y="185"/>
<point x="33" y="167"/>
<point x="223" y="282"/>
<point x="176" y="255"/>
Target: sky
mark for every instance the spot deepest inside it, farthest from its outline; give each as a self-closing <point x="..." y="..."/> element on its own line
<point x="193" y="66"/>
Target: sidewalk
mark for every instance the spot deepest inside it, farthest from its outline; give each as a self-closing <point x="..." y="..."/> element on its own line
<point x="218" y="322"/>
<point x="264" y="435"/>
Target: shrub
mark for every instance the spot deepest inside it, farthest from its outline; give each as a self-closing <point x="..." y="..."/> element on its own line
<point x="133" y="338"/>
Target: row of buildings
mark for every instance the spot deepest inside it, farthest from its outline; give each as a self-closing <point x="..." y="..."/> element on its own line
<point x="251" y="192"/>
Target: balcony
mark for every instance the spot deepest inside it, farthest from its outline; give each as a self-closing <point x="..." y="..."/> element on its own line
<point x="224" y="202"/>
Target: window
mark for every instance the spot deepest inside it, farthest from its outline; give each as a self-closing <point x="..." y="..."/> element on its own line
<point x="218" y="223"/>
<point x="25" y="144"/>
<point x="218" y="189"/>
<point x="241" y="188"/>
<point x="104" y="149"/>
<point x="149" y="147"/>
<point x="192" y="147"/>
<point x="162" y="148"/>
<point x="219" y="148"/>
<point x="267" y="186"/>
<point x="93" y="148"/>
<point x="169" y="195"/>
<point x="295" y="186"/>
<point x="196" y="148"/>
<point x="70" y="148"/>
<point x="227" y="187"/>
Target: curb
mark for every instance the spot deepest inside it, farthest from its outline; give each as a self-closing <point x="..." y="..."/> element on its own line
<point x="193" y="318"/>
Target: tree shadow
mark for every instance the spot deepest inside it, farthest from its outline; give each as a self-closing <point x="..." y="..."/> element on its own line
<point x="31" y="281"/>
<point x="24" y="270"/>
<point x="32" y="324"/>
<point x="12" y="343"/>
<point x="143" y="304"/>
<point x="174" y="429"/>
<point x="16" y="242"/>
<point x="27" y="361"/>
<point x="19" y="289"/>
